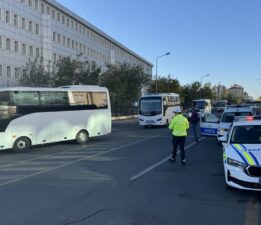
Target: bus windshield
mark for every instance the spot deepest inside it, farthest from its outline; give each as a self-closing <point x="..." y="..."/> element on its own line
<point x="199" y="104"/>
<point x="151" y="106"/>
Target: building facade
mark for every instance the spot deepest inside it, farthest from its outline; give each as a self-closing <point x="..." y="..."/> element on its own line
<point x="237" y="91"/>
<point x="45" y="31"/>
<point x="219" y="91"/>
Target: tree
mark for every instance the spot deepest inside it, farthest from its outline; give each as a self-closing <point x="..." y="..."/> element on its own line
<point x="70" y="71"/>
<point x="124" y="82"/>
<point x="231" y="99"/>
<point x="66" y="72"/>
<point x="165" y="85"/>
<point x="35" y="76"/>
<point x="89" y="73"/>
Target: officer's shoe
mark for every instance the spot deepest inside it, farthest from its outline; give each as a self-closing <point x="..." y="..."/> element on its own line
<point x="172" y="160"/>
<point x="183" y="162"/>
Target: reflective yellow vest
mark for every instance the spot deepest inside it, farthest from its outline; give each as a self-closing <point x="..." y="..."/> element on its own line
<point x="179" y="125"/>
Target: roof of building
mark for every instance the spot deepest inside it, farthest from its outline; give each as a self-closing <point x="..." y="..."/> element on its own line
<point x="95" y="29"/>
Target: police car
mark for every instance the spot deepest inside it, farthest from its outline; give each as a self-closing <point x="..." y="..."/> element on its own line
<point x="228" y="116"/>
<point x="242" y="154"/>
<point x="210" y="125"/>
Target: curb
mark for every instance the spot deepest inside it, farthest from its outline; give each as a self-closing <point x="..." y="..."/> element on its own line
<point x="124" y="117"/>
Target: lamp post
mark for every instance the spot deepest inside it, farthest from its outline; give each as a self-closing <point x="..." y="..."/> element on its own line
<point x="167" y="53"/>
<point x="201" y="78"/>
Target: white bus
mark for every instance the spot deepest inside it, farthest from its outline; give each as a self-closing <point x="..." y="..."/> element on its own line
<point x="157" y="109"/>
<point x="33" y="116"/>
<point x="202" y="105"/>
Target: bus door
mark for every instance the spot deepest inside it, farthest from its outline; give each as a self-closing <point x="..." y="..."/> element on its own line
<point x="209" y="124"/>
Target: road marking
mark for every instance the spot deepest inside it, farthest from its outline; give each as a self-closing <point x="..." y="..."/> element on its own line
<point x="75" y="161"/>
<point x="142" y="173"/>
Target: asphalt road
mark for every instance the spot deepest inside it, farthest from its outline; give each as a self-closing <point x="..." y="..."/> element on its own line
<point x="122" y="179"/>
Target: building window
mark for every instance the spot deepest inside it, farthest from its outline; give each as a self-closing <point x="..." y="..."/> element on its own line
<point x="7" y="16"/>
<point x="16" y="73"/>
<point x="37" y="52"/>
<point x="24" y="49"/>
<point x="48" y="10"/>
<point x="24" y="72"/>
<point x="54" y="36"/>
<point x="30" y="3"/>
<point x="31" y="51"/>
<point x="37" y="28"/>
<point x="8" y="44"/>
<point x="59" y="38"/>
<point x="8" y="72"/>
<point x="42" y="8"/>
<point x="1" y="70"/>
<point x="16" y="46"/>
<point x="36" y="4"/>
<point x="63" y="40"/>
<point x="54" y="58"/>
<point x="53" y="14"/>
<point x="68" y="42"/>
<point x="15" y="20"/>
<point x="30" y="26"/>
<point x="23" y="23"/>
<point x="58" y="16"/>
<point x="63" y="20"/>
<point x="72" y="44"/>
<point x="0" y="41"/>
<point x="68" y="22"/>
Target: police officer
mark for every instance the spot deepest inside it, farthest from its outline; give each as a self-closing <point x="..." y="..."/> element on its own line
<point x="179" y="125"/>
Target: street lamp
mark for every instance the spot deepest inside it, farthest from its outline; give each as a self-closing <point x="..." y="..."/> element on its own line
<point x="201" y="78"/>
<point x="167" y="53"/>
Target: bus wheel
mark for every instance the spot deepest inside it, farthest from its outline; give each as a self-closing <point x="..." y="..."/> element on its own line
<point x="82" y="137"/>
<point x="22" y="144"/>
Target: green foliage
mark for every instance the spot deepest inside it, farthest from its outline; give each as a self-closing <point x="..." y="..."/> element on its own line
<point x="89" y="73"/>
<point x="165" y="85"/>
<point x="35" y="76"/>
<point x="194" y="91"/>
<point x="71" y="71"/>
<point x="66" y="69"/>
<point x="124" y="82"/>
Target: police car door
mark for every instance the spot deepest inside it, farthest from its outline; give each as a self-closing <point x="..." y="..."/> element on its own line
<point x="209" y="124"/>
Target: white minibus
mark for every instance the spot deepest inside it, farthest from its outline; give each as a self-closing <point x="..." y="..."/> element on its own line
<point x="33" y="116"/>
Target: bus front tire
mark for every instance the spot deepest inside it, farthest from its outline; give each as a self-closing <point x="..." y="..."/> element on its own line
<point x="82" y="137"/>
<point x="22" y="144"/>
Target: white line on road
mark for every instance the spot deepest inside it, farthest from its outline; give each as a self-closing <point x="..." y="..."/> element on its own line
<point x="79" y="160"/>
<point x="135" y="177"/>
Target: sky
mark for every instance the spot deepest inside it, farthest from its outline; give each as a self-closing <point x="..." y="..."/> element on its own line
<point x="221" y="38"/>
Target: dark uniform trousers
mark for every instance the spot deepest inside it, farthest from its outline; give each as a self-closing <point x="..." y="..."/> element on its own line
<point x="178" y="141"/>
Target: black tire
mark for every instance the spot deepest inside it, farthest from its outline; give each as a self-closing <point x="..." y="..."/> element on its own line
<point x="22" y="144"/>
<point x="82" y="137"/>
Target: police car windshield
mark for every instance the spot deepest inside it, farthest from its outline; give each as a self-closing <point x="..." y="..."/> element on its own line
<point x="250" y="134"/>
<point x="228" y="117"/>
